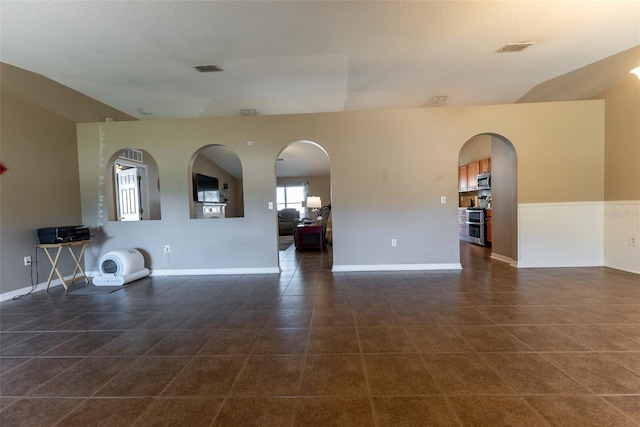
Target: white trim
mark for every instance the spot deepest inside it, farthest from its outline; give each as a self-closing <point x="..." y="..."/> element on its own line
<point x="621" y="202"/>
<point x="190" y="272"/>
<point x="557" y="204"/>
<point x="622" y="267"/>
<point x="205" y="271"/>
<point x="215" y="271"/>
<point x="560" y="264"/>
<point x="395" y="267"/>
<point x="503" y="258"/>
<point x="39" y="287"/>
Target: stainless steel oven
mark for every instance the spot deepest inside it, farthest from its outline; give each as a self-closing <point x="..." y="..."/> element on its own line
<point x="476" y="226"/>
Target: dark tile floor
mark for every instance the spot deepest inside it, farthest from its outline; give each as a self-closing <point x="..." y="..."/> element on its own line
<point x="487" y="346"/>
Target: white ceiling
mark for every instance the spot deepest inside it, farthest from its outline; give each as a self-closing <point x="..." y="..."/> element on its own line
<point x="307" y="56"/>
<point x="287" y="57"/>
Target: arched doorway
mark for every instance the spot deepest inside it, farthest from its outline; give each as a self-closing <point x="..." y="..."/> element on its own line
<point x="493" y="155"/>
<point x="303" y="181"/>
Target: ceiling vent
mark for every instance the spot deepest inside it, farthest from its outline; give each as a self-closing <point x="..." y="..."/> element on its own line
<point x="438" y="99"/>
<point x="210" y="68"/>
<point x="514" y="47"/>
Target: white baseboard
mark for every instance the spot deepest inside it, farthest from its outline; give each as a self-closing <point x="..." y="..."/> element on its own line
<point x="622" y="267"/>
<point x="39" y="287"/>
<point x="561" y="264"/>
<point x="503" y="258"/>
<point x="188" y="272"/>
<point x="205" y="271"/>
<point x="395" y="267"/>
<point x="215" y="271"/>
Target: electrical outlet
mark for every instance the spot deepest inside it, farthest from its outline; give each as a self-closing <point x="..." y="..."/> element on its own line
<point x="394" y="242"/>
<point x="27" y="261"/>
<point x="633" y="241"/>
<point x="167" y="249"/>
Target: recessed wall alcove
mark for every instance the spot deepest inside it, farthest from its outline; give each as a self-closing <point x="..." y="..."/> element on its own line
<point x="215" y="183"/>
<point x="133" y="186"/>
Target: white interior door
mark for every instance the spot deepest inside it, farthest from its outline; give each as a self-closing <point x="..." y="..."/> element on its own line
<point x="129" y="195"/>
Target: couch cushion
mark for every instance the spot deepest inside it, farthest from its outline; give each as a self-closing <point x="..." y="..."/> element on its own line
<point x="289" y="214"/>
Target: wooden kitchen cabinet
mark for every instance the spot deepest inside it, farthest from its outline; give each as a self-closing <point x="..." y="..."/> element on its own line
<point x="468" y="174"/>
<point x="488" y="221"/>
<point x="473" y="169"/>
<point x="462" y="178"/>
<point x="485" y="165"/>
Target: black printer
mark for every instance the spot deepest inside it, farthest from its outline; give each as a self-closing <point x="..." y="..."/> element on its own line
<point x="66" y="234"/>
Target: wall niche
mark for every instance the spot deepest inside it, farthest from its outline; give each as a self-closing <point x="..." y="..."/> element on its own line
<point x="133" y="192"/>
<point x="216" y="183"/>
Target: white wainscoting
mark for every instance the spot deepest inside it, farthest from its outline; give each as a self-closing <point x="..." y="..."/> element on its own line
<point x="621" y="222"/>
<point x="569" y="234"/>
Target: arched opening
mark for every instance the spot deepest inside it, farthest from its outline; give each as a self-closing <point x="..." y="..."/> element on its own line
<point x="488" y="198"/>
<point x="133" y="193"/>
<point x="216" y="183"/>
<point x="303" y="181"/>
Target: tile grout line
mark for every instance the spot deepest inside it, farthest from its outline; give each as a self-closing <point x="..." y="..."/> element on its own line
<point x="374" y="412"/>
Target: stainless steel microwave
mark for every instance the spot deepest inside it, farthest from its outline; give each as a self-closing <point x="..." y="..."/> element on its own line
<point x="484" y="180"/>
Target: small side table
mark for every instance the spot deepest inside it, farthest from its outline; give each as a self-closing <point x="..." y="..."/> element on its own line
<point x="54" y="250"/>
<point x="309" y="237"/>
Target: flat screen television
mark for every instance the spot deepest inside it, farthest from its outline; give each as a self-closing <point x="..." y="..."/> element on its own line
<point x="205" y="189"/>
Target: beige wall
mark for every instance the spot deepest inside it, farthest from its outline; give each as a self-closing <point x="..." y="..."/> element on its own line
<point x="622" y="140"/>
<point x="38" y="146"/>
<point x="609" y="80"/>
<point x="405" y="160"/>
